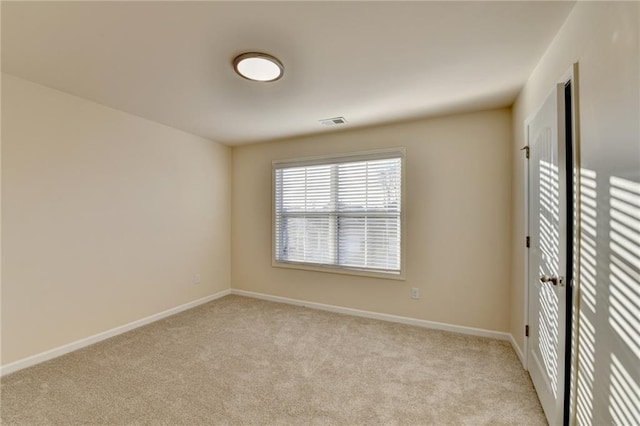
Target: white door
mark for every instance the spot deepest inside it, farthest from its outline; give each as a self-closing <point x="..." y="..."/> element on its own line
<point x="547" y="254"/>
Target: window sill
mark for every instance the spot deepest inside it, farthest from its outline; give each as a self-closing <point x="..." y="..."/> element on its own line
<point x="339" y="270"/>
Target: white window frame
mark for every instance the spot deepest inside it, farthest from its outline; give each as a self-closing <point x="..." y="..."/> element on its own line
<point x="328" y="159"/>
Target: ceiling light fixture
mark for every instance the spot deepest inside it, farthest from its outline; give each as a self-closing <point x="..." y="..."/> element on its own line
<point x="258" y="67"/>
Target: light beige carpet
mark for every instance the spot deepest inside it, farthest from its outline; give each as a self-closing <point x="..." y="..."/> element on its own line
<point x="244" y="361"/>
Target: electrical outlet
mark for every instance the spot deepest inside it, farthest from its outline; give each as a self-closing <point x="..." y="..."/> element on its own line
<point x="415" y="293"/>
<point x="196" y="279"/>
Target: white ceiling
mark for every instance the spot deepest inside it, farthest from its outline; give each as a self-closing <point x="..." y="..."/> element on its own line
<point x="371" y="62"/>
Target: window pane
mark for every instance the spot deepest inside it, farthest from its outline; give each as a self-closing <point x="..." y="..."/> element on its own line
<point x="369" y="186"/>
<point x="305" y="189"/>
<point x="306" y="240"/>
<point x="369" y="242"/>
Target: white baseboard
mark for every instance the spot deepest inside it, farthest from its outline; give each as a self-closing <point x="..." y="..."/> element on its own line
<point x="78" y="344"/>
<point x="517" y="350"/>
<point x="375" y="315"/>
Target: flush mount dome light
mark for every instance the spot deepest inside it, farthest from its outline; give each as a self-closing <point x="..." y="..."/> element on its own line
<point x="258" y="67"/>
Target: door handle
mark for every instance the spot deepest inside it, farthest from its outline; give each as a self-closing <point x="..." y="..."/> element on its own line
<point x="553" y="280"/>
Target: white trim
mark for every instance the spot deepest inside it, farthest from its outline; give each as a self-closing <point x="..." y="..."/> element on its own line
<point x="347" y="157"/>
<point x="526" y="249"/>
<point x="79" y="344"/>
<point x="517" y="350"/>
<point x="379" y="316"/>
<point x="577" y="213"/>
<point x="336" y="269"/>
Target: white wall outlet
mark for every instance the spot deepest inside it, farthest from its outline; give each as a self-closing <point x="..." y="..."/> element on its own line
<point x="415" y="293"/>
<point x="196" y="279"/>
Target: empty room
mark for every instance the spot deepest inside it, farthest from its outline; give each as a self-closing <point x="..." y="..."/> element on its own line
<point x="320" y="212"/>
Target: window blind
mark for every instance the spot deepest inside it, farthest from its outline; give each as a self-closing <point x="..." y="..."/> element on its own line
<point x="341" y="211"/>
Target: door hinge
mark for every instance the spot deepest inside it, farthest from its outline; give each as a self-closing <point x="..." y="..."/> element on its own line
<point x="526" y="150"/>
<point x="528" y="242"/>
<point x="526" y="331"/>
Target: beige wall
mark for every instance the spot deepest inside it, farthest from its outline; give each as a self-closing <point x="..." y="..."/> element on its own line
<point x="457" y="220"/>
<point x="603" y="38"/>
<point x="106" y="217"/>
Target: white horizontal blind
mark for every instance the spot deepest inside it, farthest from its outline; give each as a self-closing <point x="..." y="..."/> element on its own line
<point x="341" y="212"/>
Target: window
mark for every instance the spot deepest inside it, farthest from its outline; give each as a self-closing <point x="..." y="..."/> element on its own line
<point x="340" y="213"/>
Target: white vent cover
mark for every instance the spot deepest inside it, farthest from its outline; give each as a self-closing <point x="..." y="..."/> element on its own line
<point x="333" y="121"/>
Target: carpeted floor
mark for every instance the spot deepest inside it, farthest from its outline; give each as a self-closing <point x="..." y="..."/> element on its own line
<point x="244" y="361"/>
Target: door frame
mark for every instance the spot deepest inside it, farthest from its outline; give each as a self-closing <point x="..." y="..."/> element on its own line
<point x="569" y="77"/>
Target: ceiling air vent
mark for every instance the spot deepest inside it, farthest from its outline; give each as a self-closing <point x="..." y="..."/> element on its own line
<point x="333" y="121"/>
